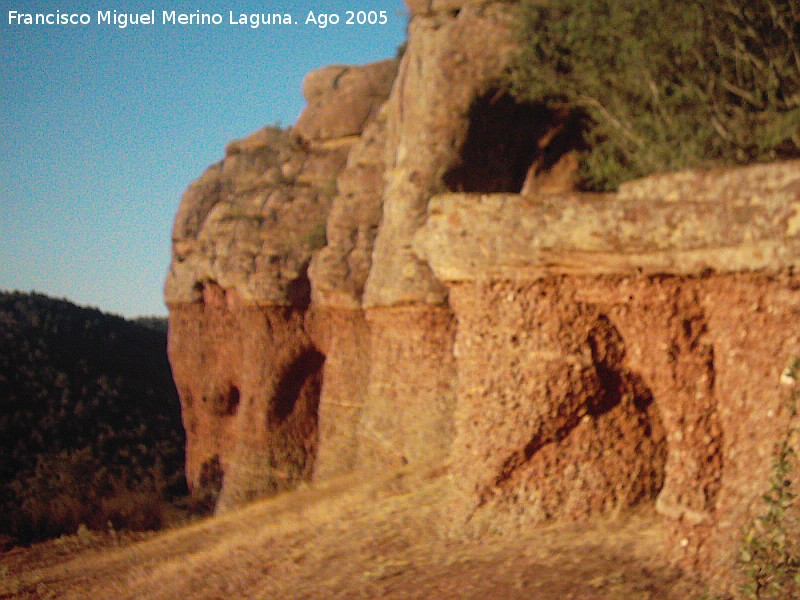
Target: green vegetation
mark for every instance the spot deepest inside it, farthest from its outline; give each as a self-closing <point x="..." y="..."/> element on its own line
<point x="90" y="426"/>
<point x="666" y="85"/>
<point x="770" y="554"/>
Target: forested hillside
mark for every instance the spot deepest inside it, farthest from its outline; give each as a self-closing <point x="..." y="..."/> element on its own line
<point x="90" y="427"/>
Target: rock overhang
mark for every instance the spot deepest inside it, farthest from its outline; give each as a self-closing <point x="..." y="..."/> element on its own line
<point x="727" y="221"/>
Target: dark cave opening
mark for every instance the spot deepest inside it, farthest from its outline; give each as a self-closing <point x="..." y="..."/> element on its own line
<point x="507" y="140"/>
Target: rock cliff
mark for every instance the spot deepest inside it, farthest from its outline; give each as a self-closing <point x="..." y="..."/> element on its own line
<point x="406" y="277"/>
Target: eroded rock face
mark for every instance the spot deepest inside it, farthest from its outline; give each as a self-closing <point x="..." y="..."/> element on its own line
<point x="249" y="380"/>
<point x="747" y="222"/>
<point x="675" y="308"/>
<point x="343" y="100"/>
<point x="406" y="277"/>
<point x="552" y="421"/>
<point x="344" y="337"/>
<point x="429" y="120"/>
<point x="251" y="222"/>
<point x="411" y="394"/>
<point x="340" y="269"/>
<point x="241" y="338"/>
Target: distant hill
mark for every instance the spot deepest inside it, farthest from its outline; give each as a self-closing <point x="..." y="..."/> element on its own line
<point x="157" y="323"/>
<point x="90" y="420"/>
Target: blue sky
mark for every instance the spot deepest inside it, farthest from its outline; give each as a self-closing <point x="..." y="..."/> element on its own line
<point x="103" y="128"/>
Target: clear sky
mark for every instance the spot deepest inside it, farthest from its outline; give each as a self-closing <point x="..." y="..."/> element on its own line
<point x="104" y="127"/>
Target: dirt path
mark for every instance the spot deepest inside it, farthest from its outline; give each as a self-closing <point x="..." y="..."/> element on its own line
<point x="353" y="539"/>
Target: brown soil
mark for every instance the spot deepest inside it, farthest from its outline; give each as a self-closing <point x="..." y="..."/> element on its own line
<point x="354" y="538"/>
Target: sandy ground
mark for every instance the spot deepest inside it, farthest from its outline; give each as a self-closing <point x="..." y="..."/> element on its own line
<point x="353" y="538"/>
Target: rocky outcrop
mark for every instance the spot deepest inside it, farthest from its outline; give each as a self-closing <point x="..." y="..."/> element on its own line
<point x="407" y="277"/>
<point x="252" y="221"/>
<point x="726" y="221"/>
<point x="249" y="380"/>
<point x="651" y="326"/>
<point x="238" y="290"/>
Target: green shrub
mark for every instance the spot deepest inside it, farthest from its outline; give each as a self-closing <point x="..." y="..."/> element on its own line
<point x="73" y="488"/>
<point x="770" y="554"/>
<point x="317" y="236"/>
<point x="667" y="85"/>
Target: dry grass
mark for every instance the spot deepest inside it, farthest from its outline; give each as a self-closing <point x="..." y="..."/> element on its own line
<point x="354" y="538"/>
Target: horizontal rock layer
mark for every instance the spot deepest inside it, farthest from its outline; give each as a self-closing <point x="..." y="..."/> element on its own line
<point x="740" y="220"/>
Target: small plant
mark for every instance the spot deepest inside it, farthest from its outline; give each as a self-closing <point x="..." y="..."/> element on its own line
<point x="770" y="554"/>
<point x="235" y="212"/>
<point x="329" y="188"/>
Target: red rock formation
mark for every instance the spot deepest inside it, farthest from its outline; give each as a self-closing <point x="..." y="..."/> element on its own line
<point x="552" y="421"/>
<point x="241" y="339"/>
<point x="336" y="304"/>
<point x="249" y="380"/>
<point x="674" y="305"/>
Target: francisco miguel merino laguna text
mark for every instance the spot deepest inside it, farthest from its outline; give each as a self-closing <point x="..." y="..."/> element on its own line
<point x="168" y="17"/>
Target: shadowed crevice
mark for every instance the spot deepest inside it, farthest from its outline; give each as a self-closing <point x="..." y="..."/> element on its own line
<point x="616" y="391"/>
<point x="301" y="379"/>
<point x="508" y="141"/>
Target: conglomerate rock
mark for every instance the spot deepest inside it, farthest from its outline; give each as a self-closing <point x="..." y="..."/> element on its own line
<point x="407" y="277"/>
<point x="651" y="326"/>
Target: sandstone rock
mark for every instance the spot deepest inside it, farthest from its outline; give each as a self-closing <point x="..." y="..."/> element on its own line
<point x="252" y="222"/>
<point x="343" y="99"/>
<point x="339" y="271"/>
<point x="551" y="421"/>
<point x="433" y="136"/>
<point x="411" y="391"/>
<point x="428" y="7"/>
<point x="684" y="283"/>
<point x="245" y="226"/>
<point x="428" y="121"/>
<point x="416" y="282"/>
<point x="248" y="379"/>
<point x="238" y="287"/>
<point x="732" y="227"/>
<point x="578" y="395"/>
<point x="343" y="336"/>
<point x="716" y="185"/>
